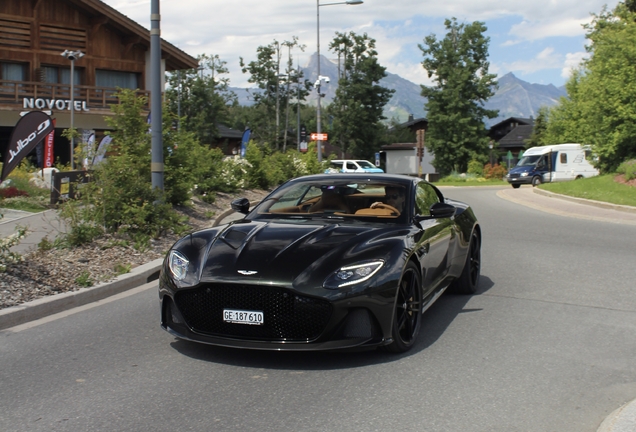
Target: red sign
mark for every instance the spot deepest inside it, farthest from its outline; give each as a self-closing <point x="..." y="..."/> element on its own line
<point x="48" y="149"/>
<point x="319" y="136"/>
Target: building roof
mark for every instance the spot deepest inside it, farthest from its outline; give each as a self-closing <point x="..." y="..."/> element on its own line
<point x="518" y="120"/>
<point x="516" y="137"/>
<point x="399" y="146"/>
<point x="226" y="132"/>
<point x="175" y="58"/>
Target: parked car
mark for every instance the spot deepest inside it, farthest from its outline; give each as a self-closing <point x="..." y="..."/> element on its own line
<point x="324" y="262"/>
<point x="552" y="163"/>
<point x="350" y="165"/>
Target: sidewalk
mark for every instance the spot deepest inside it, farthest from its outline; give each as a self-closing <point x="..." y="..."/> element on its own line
<point x="39" y="225"/>
<point x="48" y="224"/>
<point x="566" y="206"/>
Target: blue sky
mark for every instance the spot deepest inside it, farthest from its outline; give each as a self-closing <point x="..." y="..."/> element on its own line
<point x="539" y="41"/>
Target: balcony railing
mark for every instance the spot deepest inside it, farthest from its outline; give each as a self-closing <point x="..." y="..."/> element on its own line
<point x="15" y="92"/>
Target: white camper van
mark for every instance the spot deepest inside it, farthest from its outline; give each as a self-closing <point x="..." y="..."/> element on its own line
<point x="552" y="163"/>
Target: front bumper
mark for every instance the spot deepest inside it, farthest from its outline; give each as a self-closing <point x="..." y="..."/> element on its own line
<point x="295" y="323"/>
<point x="519" y="180"/>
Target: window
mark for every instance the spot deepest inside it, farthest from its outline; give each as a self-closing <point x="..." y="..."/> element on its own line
<point x="107" y="78"/>
<point x="425" y="197"/>
<point x="564" y="158"/>
<point x="60" y="75"/>
<point x="13" y="71"/>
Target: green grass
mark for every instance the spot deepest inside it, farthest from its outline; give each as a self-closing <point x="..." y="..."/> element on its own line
<point x="29" y="204"/>
<point x="38" y="199"/>
<point x="600" y="188"/>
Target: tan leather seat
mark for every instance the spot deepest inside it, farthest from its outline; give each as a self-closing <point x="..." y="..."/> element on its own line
<point x="330" y="201"/>
<point x="375" y="212"/>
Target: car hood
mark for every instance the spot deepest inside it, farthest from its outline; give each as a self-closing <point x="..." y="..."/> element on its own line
<point x="269" y="252"/>
<point x="521" y="169"/>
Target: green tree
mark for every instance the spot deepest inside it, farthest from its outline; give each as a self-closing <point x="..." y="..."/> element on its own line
<point x="359" y="101"/>
<point x="199" y="98"/>
<point x="537" y="138"/>
<point x="600" y="109"/>
<point x="459" y="66"/>
<point x="275" y="90"/>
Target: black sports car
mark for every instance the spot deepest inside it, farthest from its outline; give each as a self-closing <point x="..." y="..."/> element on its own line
<point x="324" y="262"/>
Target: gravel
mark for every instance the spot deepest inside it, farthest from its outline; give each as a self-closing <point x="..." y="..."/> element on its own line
<point x="47" y="272"/>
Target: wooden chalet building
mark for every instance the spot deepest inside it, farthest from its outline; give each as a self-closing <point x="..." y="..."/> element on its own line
<point x="510" y="135"/>
<point x="35" y="76"/>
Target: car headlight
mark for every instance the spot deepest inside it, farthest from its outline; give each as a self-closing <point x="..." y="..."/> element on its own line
<point x="178" y="265"/>
<point x="352" y="274"/>
<point x="525" y="174"/>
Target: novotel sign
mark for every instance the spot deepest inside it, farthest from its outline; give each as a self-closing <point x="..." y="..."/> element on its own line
<point x="58" y="104"/>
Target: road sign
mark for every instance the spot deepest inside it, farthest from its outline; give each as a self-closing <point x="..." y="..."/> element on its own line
<point x="319" y="136"/>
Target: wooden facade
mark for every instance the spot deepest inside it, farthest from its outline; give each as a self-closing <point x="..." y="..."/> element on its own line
<point x="34" y="74"/>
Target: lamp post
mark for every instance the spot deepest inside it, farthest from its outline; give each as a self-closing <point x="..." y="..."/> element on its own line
<point x="72" y="56"/>
<point x="320" y="78"/>
<point x="490" y="146"/>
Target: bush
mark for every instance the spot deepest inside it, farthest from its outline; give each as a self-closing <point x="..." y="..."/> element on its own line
<point x="495" y="171"/>
<point x="628" y="169"/>
<point x="12" y="192"/>
<point x="475" y="167"/>
<point x="6" y="256"/>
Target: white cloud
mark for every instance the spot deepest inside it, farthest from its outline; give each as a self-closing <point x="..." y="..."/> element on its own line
<point x="531" y="31"/>
<point x="572" y="62"/>
<point x="224" y="28"/>
<point x="546" y="59"/>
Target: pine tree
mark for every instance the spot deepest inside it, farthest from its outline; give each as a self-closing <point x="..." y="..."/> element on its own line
<point x="458" y="65"/>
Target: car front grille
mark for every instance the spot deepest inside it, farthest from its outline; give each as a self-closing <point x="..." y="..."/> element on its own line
<point x="287" y="315"/>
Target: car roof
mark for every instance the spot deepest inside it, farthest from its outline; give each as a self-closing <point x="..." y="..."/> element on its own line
<point x="379" y="177"/>
<point x="349" y="160"/>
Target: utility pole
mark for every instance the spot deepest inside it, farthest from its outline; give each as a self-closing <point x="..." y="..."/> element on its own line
<point x="156" y="161"/>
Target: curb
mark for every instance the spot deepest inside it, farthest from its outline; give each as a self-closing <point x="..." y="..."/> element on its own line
<point x="600" y="204"/>
<point x="50" y="305"/>
<point x="621" y="420"/>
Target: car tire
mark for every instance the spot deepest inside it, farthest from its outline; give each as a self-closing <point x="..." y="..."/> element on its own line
<point x="469" y="278"/>
<point x="536" y="181"/>
<point x="516" y="186"/>
<point x="407" y="311"/>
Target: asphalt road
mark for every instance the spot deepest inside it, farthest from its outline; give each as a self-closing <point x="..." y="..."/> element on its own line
<point x="547" y="345"/>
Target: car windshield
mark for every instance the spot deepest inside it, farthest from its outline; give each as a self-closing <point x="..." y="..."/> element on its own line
<point x="365" y="164"/>
<point x="341" y="200"/>
<point x="528" y="161"/>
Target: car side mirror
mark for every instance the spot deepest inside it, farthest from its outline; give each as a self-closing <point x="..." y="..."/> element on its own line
<point x="241" y="205"/>
<point x="437" y="211"/>
<point x="442" y="210"/>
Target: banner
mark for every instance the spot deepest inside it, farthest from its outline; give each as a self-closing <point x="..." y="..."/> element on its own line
<point x="48" y="148"/>
<point x="244" y="141"/>
<point x="88" y="140"/>
<point x="102" y="149"/>
<point x="27" y="133"/>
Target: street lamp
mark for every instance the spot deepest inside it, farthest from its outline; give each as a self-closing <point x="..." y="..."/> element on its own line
<point x="72" y="56"/>
<point x="490" y="146"/>
<point x="320" y="78"/>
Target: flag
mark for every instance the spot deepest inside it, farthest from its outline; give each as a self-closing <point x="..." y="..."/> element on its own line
<point x="48" y="148"/>
<point x="101" y="149"/>
<point x="244" y="141"/>
<point x="27" y="133"/>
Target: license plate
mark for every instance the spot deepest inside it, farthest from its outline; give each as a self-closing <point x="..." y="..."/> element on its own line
<point x="243" y="317"/>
